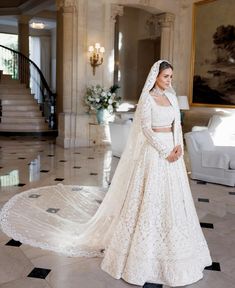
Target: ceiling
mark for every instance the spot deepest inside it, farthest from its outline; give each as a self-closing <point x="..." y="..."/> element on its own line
<point x="12" y="3"/>
<point x="39" y="11"/>
<point x="26" y="7"/>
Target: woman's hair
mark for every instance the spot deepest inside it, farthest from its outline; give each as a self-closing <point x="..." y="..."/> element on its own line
<point x="164" y="65"/>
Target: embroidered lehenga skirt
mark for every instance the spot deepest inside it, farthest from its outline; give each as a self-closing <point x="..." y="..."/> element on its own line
<point x="158" y="238"/>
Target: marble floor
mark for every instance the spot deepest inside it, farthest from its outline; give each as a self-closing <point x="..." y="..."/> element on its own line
<point x="28" y="162"/>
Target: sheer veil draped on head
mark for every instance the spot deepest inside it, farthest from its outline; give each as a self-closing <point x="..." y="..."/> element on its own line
<point x="89" y="235"/>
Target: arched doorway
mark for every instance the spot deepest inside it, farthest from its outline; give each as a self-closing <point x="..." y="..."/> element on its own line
<point x="138" y="45"/>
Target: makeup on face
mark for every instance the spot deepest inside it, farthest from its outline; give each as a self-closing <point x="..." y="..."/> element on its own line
<point x="164" y="78"/>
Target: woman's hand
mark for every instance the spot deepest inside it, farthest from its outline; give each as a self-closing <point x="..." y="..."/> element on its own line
<point x="175" y="154"/>
<point x="178" y="151"/>
<point x="172" y="157"/>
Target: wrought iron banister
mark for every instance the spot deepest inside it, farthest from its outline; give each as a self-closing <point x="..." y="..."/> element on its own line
<point x="27" y="72"/>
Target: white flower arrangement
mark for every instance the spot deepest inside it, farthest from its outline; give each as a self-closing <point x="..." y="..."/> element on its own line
<point x="98" y="97"/>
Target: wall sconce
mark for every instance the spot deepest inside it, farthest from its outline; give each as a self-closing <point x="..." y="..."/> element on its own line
<point x="96" y="56"/>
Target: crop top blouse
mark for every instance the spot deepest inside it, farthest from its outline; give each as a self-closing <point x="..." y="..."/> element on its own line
<point x="162" y="116"/>
<point x="154" y="116"/>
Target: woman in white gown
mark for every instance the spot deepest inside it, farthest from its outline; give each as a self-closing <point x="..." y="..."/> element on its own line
<point x="146" y="227"/>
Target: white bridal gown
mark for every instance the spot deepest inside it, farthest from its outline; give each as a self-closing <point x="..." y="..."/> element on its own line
<point x="158" y="238"/>
<point x="146" y="227"/>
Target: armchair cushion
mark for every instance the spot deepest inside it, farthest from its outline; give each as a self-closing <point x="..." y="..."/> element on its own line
<point x="204" y="140"/>
<point x="221" y="128"/>
<point x="199" y="128"/>
<point x="215" y="159"/>
<point x="232" y="164"/>
<point x="119" y="131"/>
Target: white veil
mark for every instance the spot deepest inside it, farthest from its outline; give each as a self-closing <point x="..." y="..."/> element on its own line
<point x="81" y="227"/>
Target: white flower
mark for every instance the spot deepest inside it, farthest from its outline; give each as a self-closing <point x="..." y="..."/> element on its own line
<point x="100" y="97"/>
<point x="110" y="108"/>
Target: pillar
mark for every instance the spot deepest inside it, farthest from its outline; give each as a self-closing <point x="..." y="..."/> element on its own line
<point x="66" y="71"/>
<point x="23" y="47"/>
<point x="111" y="13"/>
<point x="166" y="22"/>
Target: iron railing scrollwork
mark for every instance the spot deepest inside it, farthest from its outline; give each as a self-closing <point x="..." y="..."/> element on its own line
<point x="27" y="72"/>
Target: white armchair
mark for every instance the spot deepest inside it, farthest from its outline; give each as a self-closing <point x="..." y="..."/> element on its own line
<point x="210" y="163"/>
<point x="119" y="131"/>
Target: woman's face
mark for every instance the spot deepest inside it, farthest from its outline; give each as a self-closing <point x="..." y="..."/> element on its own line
<point x="164" y="79"/>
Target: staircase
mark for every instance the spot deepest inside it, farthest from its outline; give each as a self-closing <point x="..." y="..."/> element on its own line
<point x="20" y="112"/>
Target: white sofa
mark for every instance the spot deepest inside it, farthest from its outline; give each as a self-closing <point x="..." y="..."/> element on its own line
<point x="210" y="163"/>
<point x="119" y="131"/>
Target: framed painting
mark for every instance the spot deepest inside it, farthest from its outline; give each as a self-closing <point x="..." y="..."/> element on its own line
<point x="213" y="54"/>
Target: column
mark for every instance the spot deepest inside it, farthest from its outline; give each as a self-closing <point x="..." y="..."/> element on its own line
<point x="66" y="71"/>
<point x="23" y="46"/>
<point x="166" y="22"/>
<point x="111" y="13"/>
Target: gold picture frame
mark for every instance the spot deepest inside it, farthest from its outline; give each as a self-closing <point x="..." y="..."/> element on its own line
<point x="212" y="82"/>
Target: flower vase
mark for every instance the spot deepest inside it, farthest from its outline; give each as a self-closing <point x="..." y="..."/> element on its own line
<point x="100" y="116"/>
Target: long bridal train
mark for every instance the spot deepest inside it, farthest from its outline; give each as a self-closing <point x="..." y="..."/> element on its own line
<point x="54" y="218"/>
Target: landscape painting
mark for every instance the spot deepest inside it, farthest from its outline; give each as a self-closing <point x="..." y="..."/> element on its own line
<point x="213" y="57"/>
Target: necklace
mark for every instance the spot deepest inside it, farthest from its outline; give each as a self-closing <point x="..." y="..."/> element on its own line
<point x="157" y="91"/>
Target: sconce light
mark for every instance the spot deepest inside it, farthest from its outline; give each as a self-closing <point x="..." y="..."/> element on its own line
<point x="37" y="25"/>
<point x="96" y="56"/>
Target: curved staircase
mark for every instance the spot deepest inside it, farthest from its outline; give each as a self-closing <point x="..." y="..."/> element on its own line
<point x="20" y="112"/>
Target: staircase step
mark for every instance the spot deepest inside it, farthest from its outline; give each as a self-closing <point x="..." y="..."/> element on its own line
<point x="20" y="108"/>
<point x="10" y="127"/>
<point x="37" y="120"/>
<point x="13" y="90"/>
<point x="6" y="77"/>
<point x="17" y="96"/>
<point x="21" y="113"/>
<point x="13" y="102"/>
<point x="12" y="82"/>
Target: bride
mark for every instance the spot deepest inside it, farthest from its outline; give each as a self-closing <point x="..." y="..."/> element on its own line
<point x="146" y="227"/>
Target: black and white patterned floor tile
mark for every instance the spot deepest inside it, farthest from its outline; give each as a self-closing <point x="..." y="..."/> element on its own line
<point x="40" y="273"/>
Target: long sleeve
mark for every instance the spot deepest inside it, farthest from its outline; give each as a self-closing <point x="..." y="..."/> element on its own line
<point x="181" y="141"/>
<point x="146" y="126"/>
<point x="178" y="130"/>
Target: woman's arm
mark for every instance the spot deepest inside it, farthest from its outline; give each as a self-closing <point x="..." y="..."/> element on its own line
<point x="178" y="129"/>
